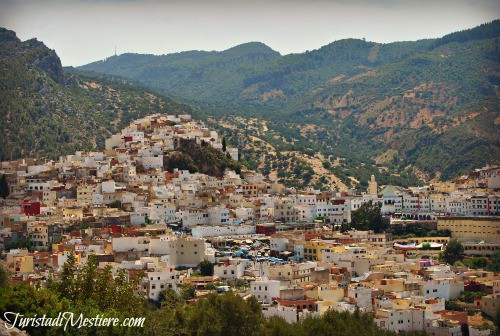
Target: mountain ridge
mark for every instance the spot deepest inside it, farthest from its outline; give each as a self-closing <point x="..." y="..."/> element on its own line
<point x="48" y="111"/>
<point x="344" y="111"/>
<point x="381" y="97"/>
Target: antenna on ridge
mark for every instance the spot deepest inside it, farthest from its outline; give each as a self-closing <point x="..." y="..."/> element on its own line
<point x="115" y="50"/>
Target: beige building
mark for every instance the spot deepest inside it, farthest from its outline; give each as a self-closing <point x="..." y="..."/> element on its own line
<point x="39" y="234"/>
<point x="285" y="211"/>
<point x="490" y="304"/>
<point x="292" y="273"/>
<point x="20" y="262"/>
<point x="84" y="194"/>
<point x="73" y="213"/>
<point x="481" y="247"/>
<point x="471" y="227"/>
<point x="186" y="251"/>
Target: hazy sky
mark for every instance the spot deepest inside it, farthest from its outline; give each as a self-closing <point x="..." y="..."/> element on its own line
<point x="85" y="31"/>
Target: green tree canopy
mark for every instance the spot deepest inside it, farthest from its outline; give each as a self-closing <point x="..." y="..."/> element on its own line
<point x="494" y="266"/>
<point x="453" y="252"/>
<point x="226" y="314"/>
<point x="206" y="268"/>
<point x="4" y="187"/>
<point x="4" y="278"/>
<point x="188" y="292"/>
<point x="426" y="246"/>
<point x="368" y="217"/>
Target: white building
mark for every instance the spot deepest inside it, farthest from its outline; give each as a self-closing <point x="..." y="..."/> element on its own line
<point x="362" y="297"/>
<point x="442" y="288"/>
<point x="403" y="320"/>
<point x="265" y="290"/>
<point x="163" y="213"/>
<point x="218" y="216"/>
<point x="214" y="231"/>
<point x="161" y="280"/>
<point x="231" y="269"/>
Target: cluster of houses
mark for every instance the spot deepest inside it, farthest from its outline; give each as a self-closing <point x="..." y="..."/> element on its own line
<point x="284" y="246"/>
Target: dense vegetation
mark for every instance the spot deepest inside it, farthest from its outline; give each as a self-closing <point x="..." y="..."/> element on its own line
<point x="47" y="112"/>
<point x="391" y="110"/>
<point x="200" y="158"/>
<point x="4" y="187"/>
<point x="416" y="230"/>
<point x="454" y="255"/>
<point x="92" y="291"/>
<point x="368" y="217"/>
<point x="453" y="252"/>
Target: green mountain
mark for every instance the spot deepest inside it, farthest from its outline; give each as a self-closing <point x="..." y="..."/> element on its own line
<point x="48" y="111"/>
<point x="428" y="108"/>
<point x="193" y="73"/>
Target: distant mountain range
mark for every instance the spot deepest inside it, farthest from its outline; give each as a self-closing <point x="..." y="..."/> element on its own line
<point x="428" y="107"/>
<point x="402" y="111"/>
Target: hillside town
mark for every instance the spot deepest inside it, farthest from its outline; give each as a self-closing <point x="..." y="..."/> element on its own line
<point x="295" y="251"/>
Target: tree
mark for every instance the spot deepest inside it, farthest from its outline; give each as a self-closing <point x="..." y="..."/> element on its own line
<point x="188" y="292"/>
<point x="226" y="314"/>
<point x="368" y="217"/>
<point x="479" y="262"/>
<point x="494" y="266"/>
<point x="240" y="283"/>
<point x="468" y="297"/>
<point x="206" y="268"/>
<point x="453" y="305"/>
<point x="453" y="252"/>
<point x="169" y="298"/>
<point x="115" y="204"/>
<point x="224" y="145"/>
<point x="4" y="278"/>
<point x="67" y="284"/>
<point x="426" y="246"/>
<point x="465" y="329"/>
<point x="4" y="187"/>
<point x="26" y="243"/>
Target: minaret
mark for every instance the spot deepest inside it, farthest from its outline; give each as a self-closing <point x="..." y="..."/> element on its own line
<point x="372" y="186"/>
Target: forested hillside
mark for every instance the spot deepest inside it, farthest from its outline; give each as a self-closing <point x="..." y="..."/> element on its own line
<point x="327" y="118"/>
<point x="47" y="111"/>
<point x="428" y="108"/>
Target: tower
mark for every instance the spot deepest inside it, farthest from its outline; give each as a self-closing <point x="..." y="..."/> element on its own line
<point x="372" y="186"/>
